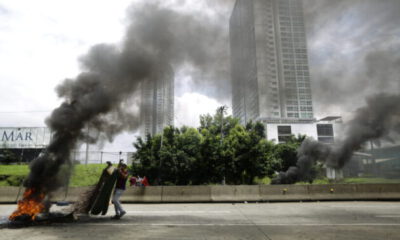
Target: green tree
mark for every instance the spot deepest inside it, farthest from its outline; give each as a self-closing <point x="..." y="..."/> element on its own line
<point x="246" y="150"/>
<point x="210" y="167"/>
<point x="220" y="149"/>
<point x="178" y="154"/>
<point x="7" y="156"/>
<point x="215" y="129"/>
<point x="271" y="162"/>
<point x="287" y="155"/>
<point x="188" y="155"/>
<point x="287" y="152"/>
<point x="145" y="159"/>
<point x="168" y="159"/>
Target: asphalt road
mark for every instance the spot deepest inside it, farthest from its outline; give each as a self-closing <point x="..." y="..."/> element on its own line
<point x="315" y="220"/>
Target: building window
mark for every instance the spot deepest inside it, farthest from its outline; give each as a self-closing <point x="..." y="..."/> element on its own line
<point x="325" y="133"/>
<point x="325" y="129"/>
<point x="284" y="133"/>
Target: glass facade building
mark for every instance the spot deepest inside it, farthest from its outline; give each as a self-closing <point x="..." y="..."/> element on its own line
<point x="269" y="61"/>
<point x="157" y="102"/>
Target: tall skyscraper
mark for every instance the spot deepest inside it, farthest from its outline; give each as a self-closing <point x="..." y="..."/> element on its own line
<point x="157" y="102"/>
<point x="270" y="73"/>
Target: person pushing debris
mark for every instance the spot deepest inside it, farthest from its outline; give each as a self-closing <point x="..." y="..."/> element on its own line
<point x="119" y="190"/>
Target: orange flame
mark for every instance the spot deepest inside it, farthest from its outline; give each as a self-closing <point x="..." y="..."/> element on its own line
<point x="31" y="204"/>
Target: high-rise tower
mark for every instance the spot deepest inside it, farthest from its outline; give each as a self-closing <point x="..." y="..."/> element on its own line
<point x="157" y="102"/>
<point x="269" y="62"/>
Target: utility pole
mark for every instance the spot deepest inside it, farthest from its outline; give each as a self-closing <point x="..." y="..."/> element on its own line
<point x="21" y="158"/>
<point x="87" y="145"/>
<point x="374" y="169"/>
<point x="159" y="167"/>
<point x="221" y="111"/>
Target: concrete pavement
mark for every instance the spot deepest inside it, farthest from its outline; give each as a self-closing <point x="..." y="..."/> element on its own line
<point x="311" y="220"/>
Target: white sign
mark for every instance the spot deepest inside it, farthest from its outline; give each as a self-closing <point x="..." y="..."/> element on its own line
<point x="24" y="137"/>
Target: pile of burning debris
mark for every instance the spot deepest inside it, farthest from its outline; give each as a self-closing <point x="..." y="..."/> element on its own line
<point x="26" y="220"/>
<point x="34" y="208"/>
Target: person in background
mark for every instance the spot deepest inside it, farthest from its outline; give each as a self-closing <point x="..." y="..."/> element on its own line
<point x="145" y="182"/>
<point x="133" y="181"/>
<point x="121" y="161"/>
<point x="139" y="181"/>
<point x="119" y="190"/>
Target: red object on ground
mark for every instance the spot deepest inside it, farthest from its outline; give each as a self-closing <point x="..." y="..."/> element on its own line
<point x="145" y="182"/>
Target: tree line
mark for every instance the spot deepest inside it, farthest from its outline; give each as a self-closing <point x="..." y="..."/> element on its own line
<point x="220" y="150"/>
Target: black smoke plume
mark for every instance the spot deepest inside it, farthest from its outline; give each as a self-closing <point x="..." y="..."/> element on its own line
<point x="377" y="120"/>
<point x="156" y="39"/>
<point x="351" y="56"/>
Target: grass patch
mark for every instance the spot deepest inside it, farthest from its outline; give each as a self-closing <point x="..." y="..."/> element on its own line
<point x="83" y="175"/>
<point x="369" y="180"/>
<point x="357" y="180"/>
<point x="262" y="181"/>
<point x="86" y="175"/>
<point x="315" y="182"/>
<point x="4" y="184"/>
<point x="16" y="170"/>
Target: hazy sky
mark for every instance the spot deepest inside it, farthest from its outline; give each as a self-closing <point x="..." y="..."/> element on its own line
<point x="353" y="49"/>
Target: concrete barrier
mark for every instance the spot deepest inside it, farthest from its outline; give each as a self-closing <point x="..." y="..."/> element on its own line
<point x="380" y="191"/>
<point x="186" y="194"/>
<point x="332" y="191"/>
<point x="142" y="194"/>
<point x="390" y="191"/>
<point x="253" y="193"/>
<point x="247" y="193"/>
<point x="237" y="193"/>
<point x="10" y="194"/>
<point x="284" y="193"/>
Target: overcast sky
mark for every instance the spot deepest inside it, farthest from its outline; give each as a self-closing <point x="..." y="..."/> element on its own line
<point x="353" y="49"/>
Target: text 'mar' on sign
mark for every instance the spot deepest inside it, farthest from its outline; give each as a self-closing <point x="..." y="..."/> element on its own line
<point x="24" y="137"/>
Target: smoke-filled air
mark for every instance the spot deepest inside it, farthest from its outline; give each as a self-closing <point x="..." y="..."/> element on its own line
<point x="342" y="80"/>
<point x="377" y="120"/>
<point x="157" y="40"/>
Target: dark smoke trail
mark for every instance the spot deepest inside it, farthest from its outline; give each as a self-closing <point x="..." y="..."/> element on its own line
<point x="375" y="121"/>
<point x="369" y="64"/>
<point x="157" y="39"/>
<point x="113" y="76"/>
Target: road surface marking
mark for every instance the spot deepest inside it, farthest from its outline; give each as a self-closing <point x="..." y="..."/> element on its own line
<point x="178" y="212"/>
<point x="242" y="224"/>
<point x="378" y="207"/>
<point x="388" y="216"/>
